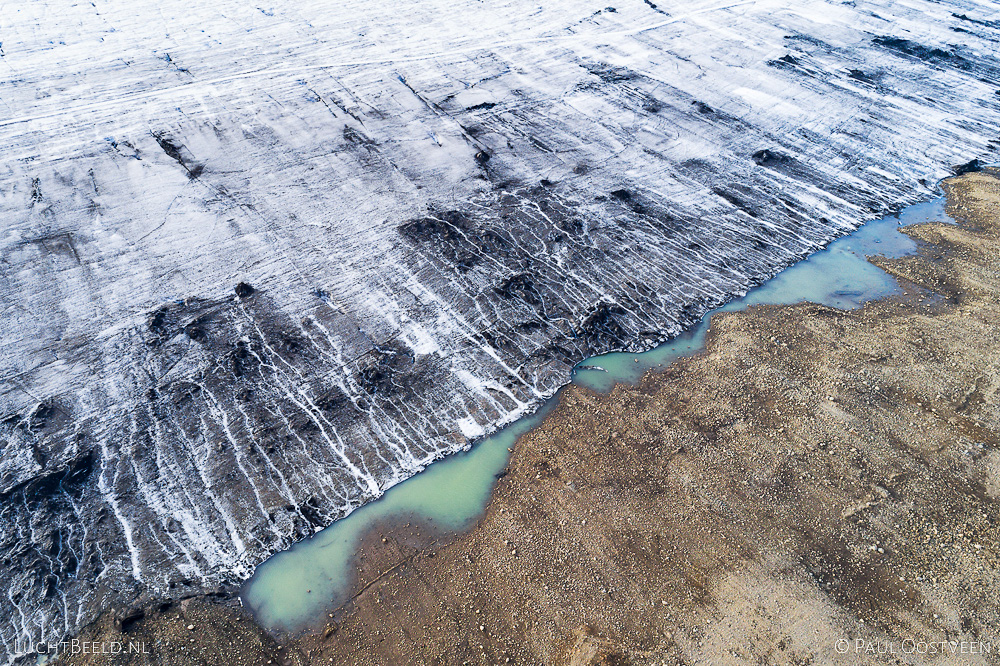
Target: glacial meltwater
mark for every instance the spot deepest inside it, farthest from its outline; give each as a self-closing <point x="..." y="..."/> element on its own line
<point x="292" y="588"/>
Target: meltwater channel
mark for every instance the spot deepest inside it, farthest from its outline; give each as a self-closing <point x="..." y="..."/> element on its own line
<point x="294" y="587"/>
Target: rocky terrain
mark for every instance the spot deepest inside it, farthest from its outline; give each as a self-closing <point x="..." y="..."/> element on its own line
<point x="259" y="264"/>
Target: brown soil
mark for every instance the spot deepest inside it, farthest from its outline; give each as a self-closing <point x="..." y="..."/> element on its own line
<point x="816" y="475"/>
<point x="208" y="631"/>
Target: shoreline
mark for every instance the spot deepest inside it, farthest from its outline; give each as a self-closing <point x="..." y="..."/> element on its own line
<point x="662" y="444"/>
<point x="289" y="591"/>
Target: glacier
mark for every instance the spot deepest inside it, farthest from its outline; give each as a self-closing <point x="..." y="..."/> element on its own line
<point x="258" y="263"/>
